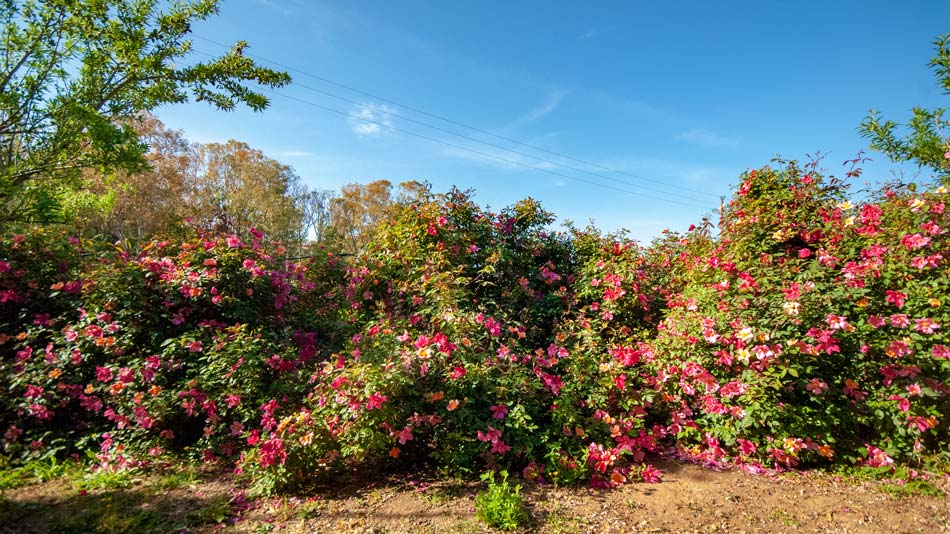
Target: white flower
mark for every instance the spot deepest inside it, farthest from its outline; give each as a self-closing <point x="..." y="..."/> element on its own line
<point x="743" y="355"/>
<point x="791" y="308"/>
<point x="745" y="334"/>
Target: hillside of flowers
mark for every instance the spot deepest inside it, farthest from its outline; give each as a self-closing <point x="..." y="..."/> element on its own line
<point x="809" y="329"/>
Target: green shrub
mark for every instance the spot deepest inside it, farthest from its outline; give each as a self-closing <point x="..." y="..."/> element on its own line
<point x="814" y="331"/>
<point x="501" y="505"/>
<point x="811" y="330"/>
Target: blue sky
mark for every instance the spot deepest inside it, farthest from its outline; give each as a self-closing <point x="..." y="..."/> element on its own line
<point x="661" y="101"/>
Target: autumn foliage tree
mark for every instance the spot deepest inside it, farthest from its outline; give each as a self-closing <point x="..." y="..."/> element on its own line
<point x="138" y="205"/>
<point x="216" y="185"/>
<point x="237" y="187"/>
<point x="348" y="220"/>
<point x="229" y="186"/>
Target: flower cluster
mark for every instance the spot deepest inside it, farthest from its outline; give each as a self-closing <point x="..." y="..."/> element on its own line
<point x="814" y="332"/>
<point x="811" y="329"/>
<point x="162" y="348"/>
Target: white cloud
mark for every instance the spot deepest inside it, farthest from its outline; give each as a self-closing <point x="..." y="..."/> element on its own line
<point x="708" y="139"/>
<point x="292" y="154"/>
<point x="551" y="102"/>
<point x="371" y="119"/>
<point x="589" y="35"/>
<point x="281" y="6"/>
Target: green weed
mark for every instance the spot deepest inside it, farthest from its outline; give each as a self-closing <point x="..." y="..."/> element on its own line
<point x="218" y="510"/>
<point x="784" y="517"/>
<point x="104" y="479"/>
<point x="914" y="488"/>
<point x="501" y="506"/>
<point x="35" y="471"/>
<point x="110" y="513"/>
<point x="177" y="479"/>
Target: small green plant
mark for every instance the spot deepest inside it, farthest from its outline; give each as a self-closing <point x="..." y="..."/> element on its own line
<point x="309" y="509"/>
<point x="913" y="488"/>
<point x="105" y="479"/>
<point x="46" y="470"/>
<point x="896" y="481"/>
<point x="32" y="472"/>
<point x="177" y="479"/>
<point x="783" y="516"/>
<point x="10" y="478"/>
<point x="108" y="512"/>
<point x="216" y="510"/>
<point x="502" y="505"/>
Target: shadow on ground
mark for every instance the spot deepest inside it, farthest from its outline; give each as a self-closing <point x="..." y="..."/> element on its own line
<point x="58" y="507"/>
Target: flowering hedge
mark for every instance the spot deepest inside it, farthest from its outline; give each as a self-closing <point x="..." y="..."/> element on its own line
<point x="810" y="330"/>
<point x="470" y="353"/>
<point x="171" y="346"/>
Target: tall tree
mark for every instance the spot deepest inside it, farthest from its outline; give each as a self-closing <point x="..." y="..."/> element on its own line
<point x="141" y="204"/>
<point x="72" y="72"/>
<point x="237" y="187"/>
<point x="317" y="217"/>
<point x="359" y="209"/>
<point x="230" y="186"/>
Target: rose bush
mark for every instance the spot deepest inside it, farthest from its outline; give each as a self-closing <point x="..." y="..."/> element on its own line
<point x="810" y="330"/>
<point x="465" y="356"/>
<point x="173" y="345"/>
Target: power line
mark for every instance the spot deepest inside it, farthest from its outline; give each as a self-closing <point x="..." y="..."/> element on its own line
<point x="480" y="153"/>
<point x="493" y="145"/>
<point x="472" y="128"/>
<point x="500" y="147"/>
<point x="485" y="154"/>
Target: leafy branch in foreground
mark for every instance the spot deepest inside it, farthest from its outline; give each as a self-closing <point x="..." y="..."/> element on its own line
<point x="72" y="74"/>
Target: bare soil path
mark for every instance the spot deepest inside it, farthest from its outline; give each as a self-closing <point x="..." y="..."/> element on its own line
<point x="690" y="499"/>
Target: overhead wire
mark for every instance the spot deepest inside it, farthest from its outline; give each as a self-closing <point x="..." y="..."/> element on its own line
<point x="493" y="145"/>
<point x="387" y="126"/>
<point x="466" y="126"/>
<point x="478" y="152"/>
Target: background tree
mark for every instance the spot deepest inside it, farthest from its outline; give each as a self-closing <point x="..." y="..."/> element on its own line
<point x="315" y="207"/>
<point x="927" y="143"/>
<point x="72" y="72"/>
<point x="357" y="211"/>
<point x="238" y="187"/>
<point x="139" y="205"/>
<point x="360" y="208"/>
<point x="230" y="186"/>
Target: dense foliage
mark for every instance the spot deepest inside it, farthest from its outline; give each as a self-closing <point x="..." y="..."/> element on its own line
<point x="72" y="73"/>
<point x="809" y="331"/>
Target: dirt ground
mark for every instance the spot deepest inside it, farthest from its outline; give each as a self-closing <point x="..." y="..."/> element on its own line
<point x="690" y="499"/>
